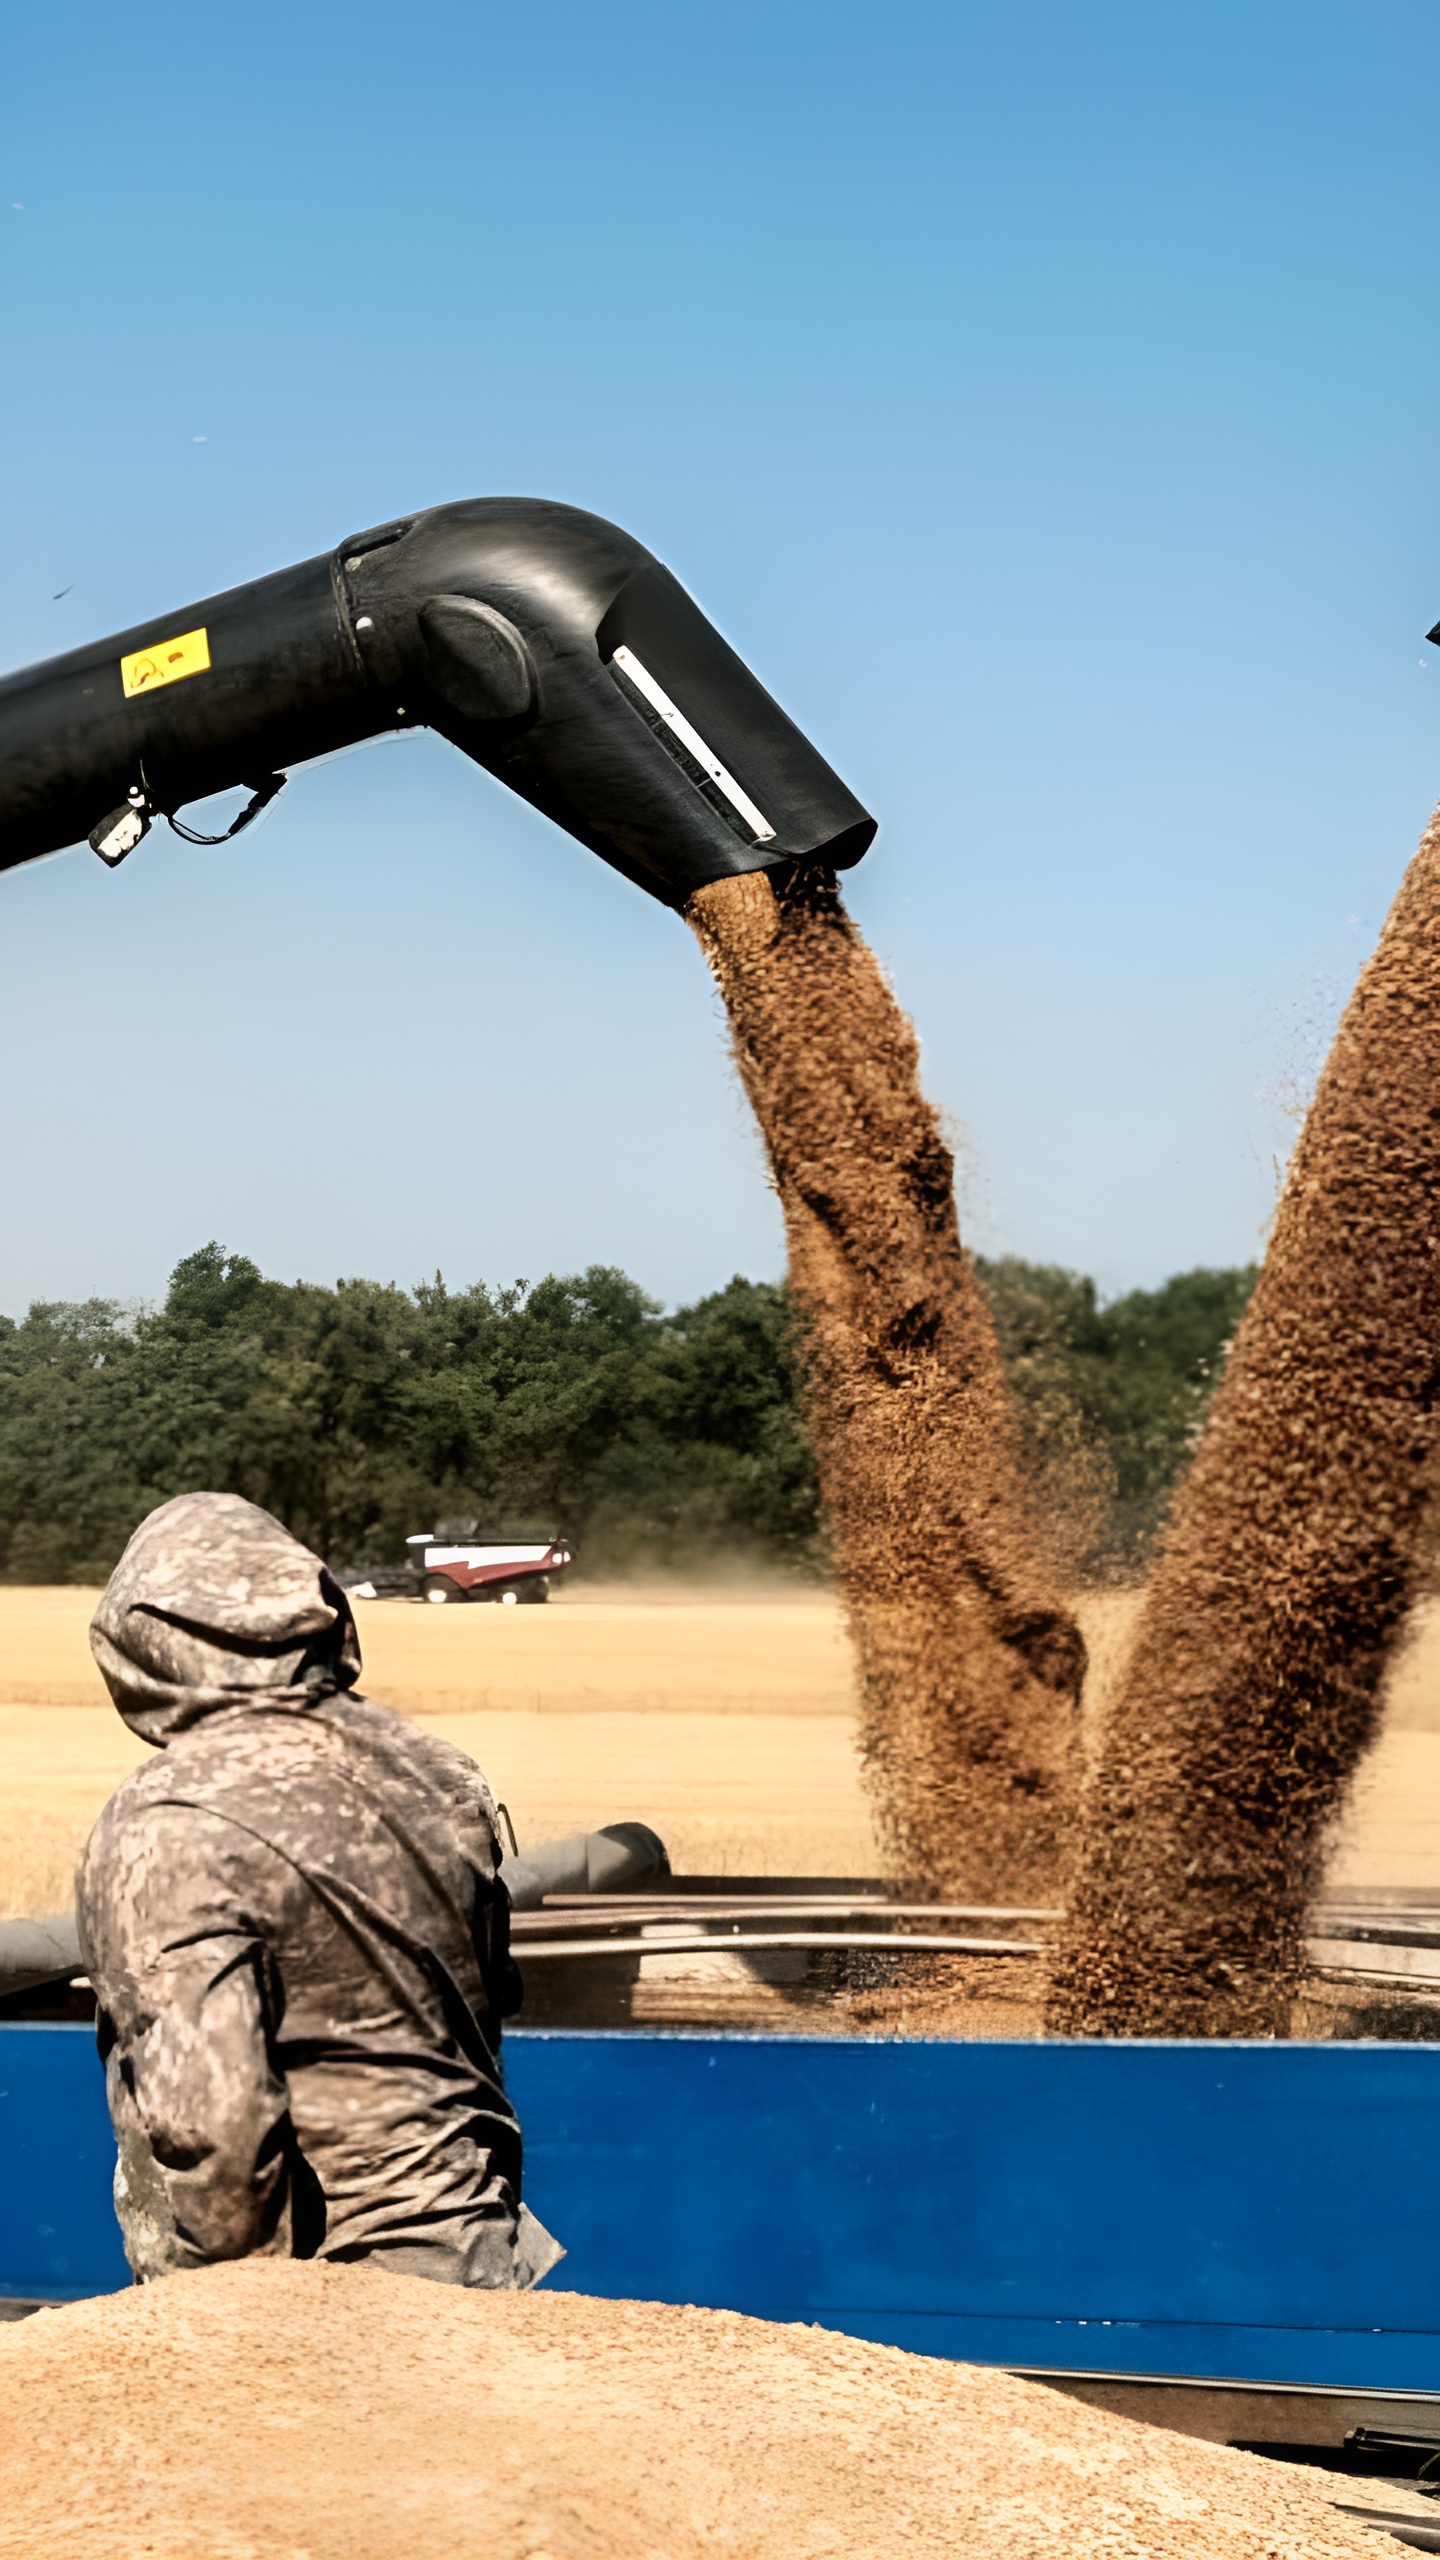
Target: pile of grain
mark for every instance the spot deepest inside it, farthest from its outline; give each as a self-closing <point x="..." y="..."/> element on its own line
<point x="276" y="2411"/>
<point x="1291" y="1556"/>
<point x="970" y="1670"/>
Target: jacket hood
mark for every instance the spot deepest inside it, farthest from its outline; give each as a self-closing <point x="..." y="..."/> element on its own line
<point x="215" y="1605"/>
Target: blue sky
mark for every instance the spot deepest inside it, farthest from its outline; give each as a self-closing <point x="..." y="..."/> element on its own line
<point x="1041" y="394"/>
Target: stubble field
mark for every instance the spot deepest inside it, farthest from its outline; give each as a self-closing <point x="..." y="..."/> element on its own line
<point x="721" y="1715"/>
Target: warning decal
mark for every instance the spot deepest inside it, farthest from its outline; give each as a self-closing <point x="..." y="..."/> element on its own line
<point x="166" y="662"/>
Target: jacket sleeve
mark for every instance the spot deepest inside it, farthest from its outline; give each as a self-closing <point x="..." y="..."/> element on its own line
<point x="173" y="1928"/>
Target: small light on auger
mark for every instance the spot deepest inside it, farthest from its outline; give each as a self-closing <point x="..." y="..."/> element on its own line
<point x="120" y="833"/>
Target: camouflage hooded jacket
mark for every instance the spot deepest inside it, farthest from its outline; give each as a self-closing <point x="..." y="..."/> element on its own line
<point x="294" y="1924"/>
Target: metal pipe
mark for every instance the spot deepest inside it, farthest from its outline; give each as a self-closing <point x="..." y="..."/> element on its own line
<point x="690" y="1942"/>
<point x="545" y="643"/>
<point x="34" y="1952"/>
<point x="584" y="1863"/>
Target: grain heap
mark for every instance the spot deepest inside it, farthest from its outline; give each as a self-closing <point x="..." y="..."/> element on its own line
<point x="969" y="1669"/>
<point x="274" y="2410"/>
<point x="1291" y="1555"/>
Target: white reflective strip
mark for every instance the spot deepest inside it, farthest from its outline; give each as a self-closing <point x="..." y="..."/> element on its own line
<point x="470" y="1553"/>
<point x="704" y="756"/>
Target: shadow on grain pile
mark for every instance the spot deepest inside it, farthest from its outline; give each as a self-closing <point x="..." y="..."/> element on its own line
<point x="1291" y="1556"/>
<point x="970" y="1670"/>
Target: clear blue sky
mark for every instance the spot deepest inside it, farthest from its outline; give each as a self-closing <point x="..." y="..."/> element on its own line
<point x="1044" y="396"/>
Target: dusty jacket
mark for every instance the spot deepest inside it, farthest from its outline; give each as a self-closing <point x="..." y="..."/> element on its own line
<point x="295" y="1930"/>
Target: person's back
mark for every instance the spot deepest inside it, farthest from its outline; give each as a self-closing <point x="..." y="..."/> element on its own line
<point x="296" y="1933"/>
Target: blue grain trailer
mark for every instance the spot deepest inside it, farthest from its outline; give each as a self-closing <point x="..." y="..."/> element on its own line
<point x="1258" y="2213"/>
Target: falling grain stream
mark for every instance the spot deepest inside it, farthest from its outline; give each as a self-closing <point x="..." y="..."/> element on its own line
<point x="1291" y="1556"/>
<point x="970" y="1668"/>
<point x="1294" y="1548"/>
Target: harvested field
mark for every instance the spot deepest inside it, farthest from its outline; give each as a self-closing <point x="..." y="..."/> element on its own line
<point x="726" y="1719"/>
<point x="727" y="1723"/>
<point x="279" y="2411"/>
<point x="629" y="1647"/>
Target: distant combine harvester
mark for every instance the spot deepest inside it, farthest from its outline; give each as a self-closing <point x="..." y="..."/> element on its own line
<point x="454" y="1563"/>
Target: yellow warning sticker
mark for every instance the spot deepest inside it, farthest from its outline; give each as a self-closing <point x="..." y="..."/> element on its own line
<point x="166" y="662"/>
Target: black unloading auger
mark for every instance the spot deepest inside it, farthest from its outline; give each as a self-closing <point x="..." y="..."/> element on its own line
<point x="543" y="642"/>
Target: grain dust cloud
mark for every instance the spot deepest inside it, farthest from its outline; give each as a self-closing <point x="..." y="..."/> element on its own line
<point x="970" y="1668"/>
<point x="1292" y="1553"/>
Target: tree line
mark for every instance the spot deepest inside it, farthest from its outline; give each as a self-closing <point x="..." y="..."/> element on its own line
<point x="364" y="1412"/>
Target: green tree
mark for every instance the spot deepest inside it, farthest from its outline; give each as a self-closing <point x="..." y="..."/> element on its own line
<point x="363" y="1412"/>
<point x="1112" y="1397"/>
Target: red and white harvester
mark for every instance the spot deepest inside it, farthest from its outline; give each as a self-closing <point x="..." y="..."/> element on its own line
<point x="486" y="1569"/>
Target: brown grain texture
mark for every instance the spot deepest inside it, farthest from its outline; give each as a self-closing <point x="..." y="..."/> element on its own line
<point x="272" y="2410"/>
<point x="970" y="1669"/>
<point x="1291" y="1557"/>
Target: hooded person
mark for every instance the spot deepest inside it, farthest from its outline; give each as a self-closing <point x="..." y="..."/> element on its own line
<point x="296" y="1931"/>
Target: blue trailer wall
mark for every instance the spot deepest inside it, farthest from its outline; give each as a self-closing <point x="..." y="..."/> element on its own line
<point x="1260" y="2211"/>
